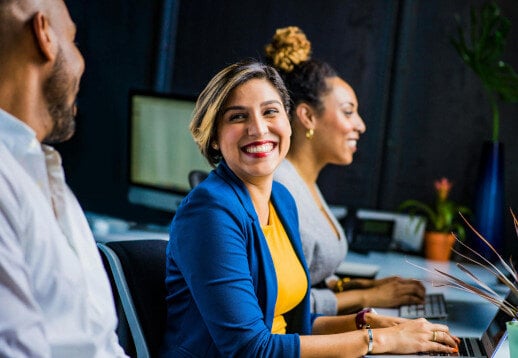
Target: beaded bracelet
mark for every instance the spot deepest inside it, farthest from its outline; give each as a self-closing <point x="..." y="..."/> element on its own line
<point x="339" y="285"/>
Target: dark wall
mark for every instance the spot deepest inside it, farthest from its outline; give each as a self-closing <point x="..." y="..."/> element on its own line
<point x="337" y="29"/>
<point x="120" y="42"/>
<point x="426" y="113"/>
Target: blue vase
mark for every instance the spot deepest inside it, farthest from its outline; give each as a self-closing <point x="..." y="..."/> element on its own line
<point x="489" y="200"/>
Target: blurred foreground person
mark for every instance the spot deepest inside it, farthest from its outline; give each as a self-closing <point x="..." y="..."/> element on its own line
<point x="56" y="298"/>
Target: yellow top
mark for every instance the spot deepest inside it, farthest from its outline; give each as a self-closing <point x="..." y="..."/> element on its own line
<point x="292" y="283"/>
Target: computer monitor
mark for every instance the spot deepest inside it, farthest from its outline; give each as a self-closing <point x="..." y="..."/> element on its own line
<point x="162" y="151"/>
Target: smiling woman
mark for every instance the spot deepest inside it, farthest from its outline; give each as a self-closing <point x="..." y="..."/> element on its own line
<point x="234" y="243"/>
<point x="253" y="133"/>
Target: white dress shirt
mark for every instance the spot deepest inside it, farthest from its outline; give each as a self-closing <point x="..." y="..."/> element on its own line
<point x="55" y="297"/>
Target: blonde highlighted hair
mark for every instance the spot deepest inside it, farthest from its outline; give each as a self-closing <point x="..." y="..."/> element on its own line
<point x="209" y="105"/>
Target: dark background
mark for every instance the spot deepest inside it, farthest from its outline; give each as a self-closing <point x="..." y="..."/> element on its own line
<point x="426" y="113"/>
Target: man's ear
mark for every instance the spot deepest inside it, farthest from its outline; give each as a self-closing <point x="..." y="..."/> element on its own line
<point x="306" y="115"/>
<point x="44" y="36"/>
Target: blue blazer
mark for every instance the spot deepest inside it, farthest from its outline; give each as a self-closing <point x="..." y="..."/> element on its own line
<point x="221" y="282"/>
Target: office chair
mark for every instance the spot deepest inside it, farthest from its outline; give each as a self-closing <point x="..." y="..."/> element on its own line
<point x="137" y="273"/>
<point x="196" y="177"/>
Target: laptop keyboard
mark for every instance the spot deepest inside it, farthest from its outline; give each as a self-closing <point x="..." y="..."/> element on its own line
<point x="468" y="347"/>
<point x="471" y="347"/>
<point x="433" y="308"/>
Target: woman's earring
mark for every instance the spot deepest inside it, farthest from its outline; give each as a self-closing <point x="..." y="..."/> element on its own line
<point x="215" y="146"/>
<point x="309" y="133"/>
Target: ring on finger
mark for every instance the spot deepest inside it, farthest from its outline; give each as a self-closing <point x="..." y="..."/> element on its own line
<point x="434" y="336"/>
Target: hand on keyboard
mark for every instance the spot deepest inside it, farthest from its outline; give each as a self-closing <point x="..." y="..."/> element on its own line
<point x="394" y="292"/>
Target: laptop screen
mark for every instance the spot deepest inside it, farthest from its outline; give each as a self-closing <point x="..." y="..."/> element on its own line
<point x="494" y="333"/>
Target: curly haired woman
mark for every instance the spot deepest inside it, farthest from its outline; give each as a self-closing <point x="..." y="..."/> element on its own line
<point x="326" y="127"/>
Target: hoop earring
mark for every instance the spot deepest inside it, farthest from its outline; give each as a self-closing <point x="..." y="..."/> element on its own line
<point x="309" y="133"/>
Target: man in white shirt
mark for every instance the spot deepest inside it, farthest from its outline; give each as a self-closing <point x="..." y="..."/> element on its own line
<point x="55" y="297"/>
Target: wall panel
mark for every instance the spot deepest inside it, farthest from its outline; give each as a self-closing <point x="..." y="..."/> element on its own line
<point x="425" y="111"/>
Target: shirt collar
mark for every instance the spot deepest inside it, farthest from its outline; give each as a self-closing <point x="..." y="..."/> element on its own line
<point x="41" y="162"/>
<point x="17" y="136"/>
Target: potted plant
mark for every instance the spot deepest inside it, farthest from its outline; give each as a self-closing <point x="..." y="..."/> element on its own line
<point x="481" y="48"/>
<point x="442" y="221"/>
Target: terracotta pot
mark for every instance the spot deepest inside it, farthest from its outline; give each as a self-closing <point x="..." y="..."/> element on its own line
<point x="438" y="245"/>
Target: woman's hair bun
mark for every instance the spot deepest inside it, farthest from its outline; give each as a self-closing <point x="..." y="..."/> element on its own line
<point x="289" y="47"/>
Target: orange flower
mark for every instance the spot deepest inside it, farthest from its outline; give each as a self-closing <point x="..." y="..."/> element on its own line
<point x="443" y="188"/>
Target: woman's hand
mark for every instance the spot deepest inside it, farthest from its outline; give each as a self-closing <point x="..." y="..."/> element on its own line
<point x="338" y="336"/>
<point x="386" y="280"/>
<point x="394" y="292"/>
<point x="413" y="336"/>
<point x="379" y="321"/>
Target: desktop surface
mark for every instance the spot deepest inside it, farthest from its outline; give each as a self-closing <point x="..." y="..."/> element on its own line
<point x="468" y="314"/>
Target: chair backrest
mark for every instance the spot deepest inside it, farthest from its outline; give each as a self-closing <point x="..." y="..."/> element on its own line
<point x="196" y="177"/>
<point x="137" y="271"/>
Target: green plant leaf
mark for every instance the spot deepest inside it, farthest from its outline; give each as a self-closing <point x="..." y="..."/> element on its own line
<point x="482" y="52"/>
<point x="415" y="207"/>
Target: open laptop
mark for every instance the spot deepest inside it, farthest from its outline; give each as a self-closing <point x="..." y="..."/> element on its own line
<point x="470" y="347"/>
<point x="434" y="307"/>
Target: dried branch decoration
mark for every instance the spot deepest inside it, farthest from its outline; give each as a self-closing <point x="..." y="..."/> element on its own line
<point x="288" y="48"/>
<point x="505" y="273"/>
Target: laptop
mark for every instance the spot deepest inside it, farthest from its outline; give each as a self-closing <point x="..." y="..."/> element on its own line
<point x="471" y="347"/>
<point x="434" y="307"/>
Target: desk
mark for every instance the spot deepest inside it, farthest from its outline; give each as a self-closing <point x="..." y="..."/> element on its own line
<point x="468" y="314"/>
